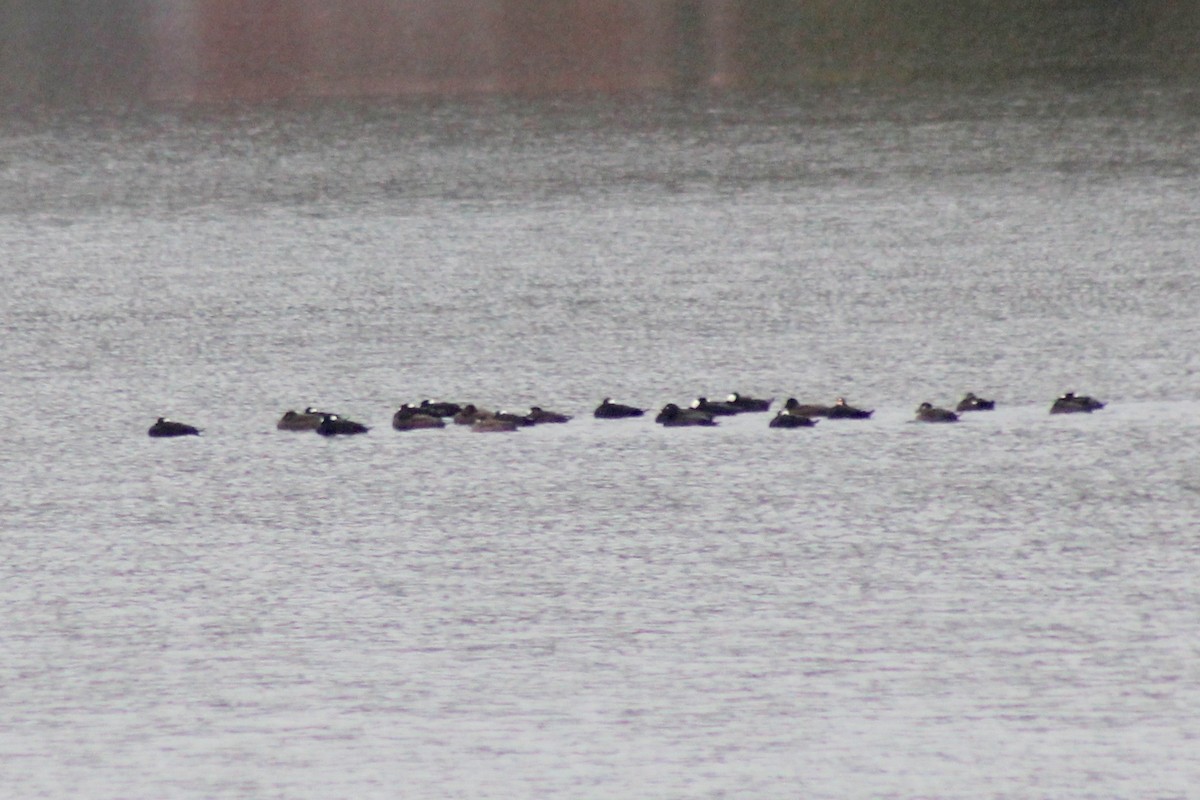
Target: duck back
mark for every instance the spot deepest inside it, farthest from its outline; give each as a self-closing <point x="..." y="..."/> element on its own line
<point x="165" y="428"/>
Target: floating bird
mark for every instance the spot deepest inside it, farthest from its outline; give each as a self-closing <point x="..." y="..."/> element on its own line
<point x="1070" y="403"/>
<point x="672" y="416"/>
<point x="164" y="428"/>
<point x="439" y="409"/>
<point x="470" y="415"/>
<point x="714" y="407"/>
<point x="333" y="425"/>
<point x="785" y="420"/>
<point x="927" y="413"/>
<point x="796" y="408"/>
<point x="520" y="420"/>
<point x="610" y="410"/>
<point x="746" y="403"/>
<point x="972" y="403"/>
<point x="409" y="418"/>
<point x="840" y="410"/>
<point x="295" y="421"/>
<point x="540" y="415"/>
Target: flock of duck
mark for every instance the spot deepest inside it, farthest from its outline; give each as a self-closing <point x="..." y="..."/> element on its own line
<point x="702" y="412"/>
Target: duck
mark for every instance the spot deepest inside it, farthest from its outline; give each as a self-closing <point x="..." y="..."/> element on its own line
<point x="672" y="416"/>
<point x="972" y="403"/>
<point x="492" y="424"/>
<point x="470" y="414"/>
<point x="746" y="403"/>
<point x="539" y="415"/>
<point x="164" y="427"/>
<point x="297" y="421"/>
<point x="1070" y="403"/>
<point x="714" y="407"/>
<point x="333" y="425"/>
<point x="409" y="418"/>
<point x="927" y="413"/>
<point x="841" y="410"/>
<point x="785" y="420"/>
<point x="439" y="408"/>
<point x="520" y="420"/>
<point x="797" y="409"/>
<point x="610" y="410"/>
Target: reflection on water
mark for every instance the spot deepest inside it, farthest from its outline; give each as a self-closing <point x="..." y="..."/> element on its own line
<point x="603" y="608"/>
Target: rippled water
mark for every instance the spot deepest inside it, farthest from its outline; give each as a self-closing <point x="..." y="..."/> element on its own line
<point x="1002" y="608"/>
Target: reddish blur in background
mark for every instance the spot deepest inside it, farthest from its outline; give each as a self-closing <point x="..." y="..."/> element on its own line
<point x="223" y="50"/>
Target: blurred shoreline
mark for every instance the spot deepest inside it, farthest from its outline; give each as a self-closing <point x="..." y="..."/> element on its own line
<point x="212" y="51"/>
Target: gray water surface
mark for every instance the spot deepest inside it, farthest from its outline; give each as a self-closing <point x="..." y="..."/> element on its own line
<point x="1002" y="608"/>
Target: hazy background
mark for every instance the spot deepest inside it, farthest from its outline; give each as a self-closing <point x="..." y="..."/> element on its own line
<point x="216" y="50"/>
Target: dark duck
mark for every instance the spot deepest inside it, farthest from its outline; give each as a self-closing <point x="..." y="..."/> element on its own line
<point x="610" y="410"/>
<point x="164" y="428"/>
<point x="972" y="403"/>
<point x="1071" y="403"/>
<point x="333" y="425"/>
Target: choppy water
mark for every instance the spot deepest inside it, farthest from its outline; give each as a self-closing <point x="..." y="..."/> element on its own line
<point x="1002" y="608"/>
